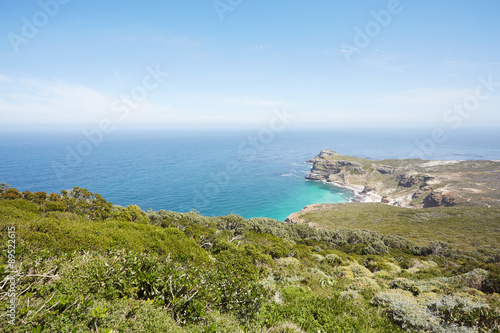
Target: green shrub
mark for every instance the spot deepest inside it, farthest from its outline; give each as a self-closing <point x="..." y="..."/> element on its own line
<point x="405" y="284"/>
<point x="405" y="262"/>
<point x="39" y="197"/>
<point x="492" y="283"/>
<point x="59" y="206"/>
<point x="323" y="314"/>
<point x="11" y="194"/>
<point x="131" y="213"/>
<point x="83" y="202"/>
<point x="334" y="259"/>
<point x="460" y="311"/>
<point x="367" y="250"/>
<point x="435" y="313"/>
<point x="374" y="264"/>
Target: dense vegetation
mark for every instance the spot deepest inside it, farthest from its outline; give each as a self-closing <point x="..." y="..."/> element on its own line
<point x="468" y="228"/>
<point x="85" y="265"/>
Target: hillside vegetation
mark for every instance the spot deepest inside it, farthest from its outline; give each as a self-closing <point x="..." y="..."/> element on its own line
<point x="467" y="228"/>
<point x="85" y="265"/>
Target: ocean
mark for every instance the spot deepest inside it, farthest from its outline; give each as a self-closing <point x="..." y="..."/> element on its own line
<point x="252" y="173"/>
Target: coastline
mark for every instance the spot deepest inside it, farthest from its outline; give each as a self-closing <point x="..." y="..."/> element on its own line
<point x="358" y="196"/>
<point x="411" y="183"/>
<point x="358" y="192"/>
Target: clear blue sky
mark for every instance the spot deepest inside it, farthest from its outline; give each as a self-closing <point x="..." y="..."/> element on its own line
<point x="420" y="62"/>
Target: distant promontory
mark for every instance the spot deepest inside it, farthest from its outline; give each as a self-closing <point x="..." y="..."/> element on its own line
<point x="411" y="182"/>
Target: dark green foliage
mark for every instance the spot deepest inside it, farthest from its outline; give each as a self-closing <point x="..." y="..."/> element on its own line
<point x="131" y="213"/>
<point x="405" y="262"/>
<point x="20" y="207"/>
<point x="77" y="200"/>
<point x="68" y="232"/>
<point x="405" y="284"/>
<point x="492" y="283"/>
<point x="56" y="205"/>
<point x="83" y="202"/>
<point x="374" y="265"/>
<point x="86" y="265"/>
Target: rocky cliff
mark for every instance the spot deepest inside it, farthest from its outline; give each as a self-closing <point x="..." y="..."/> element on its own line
<point x="411" y="182"/>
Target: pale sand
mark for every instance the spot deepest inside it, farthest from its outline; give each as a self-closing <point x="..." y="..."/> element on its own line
<point x="436" y="163"/>
<point x="358" y="197"/>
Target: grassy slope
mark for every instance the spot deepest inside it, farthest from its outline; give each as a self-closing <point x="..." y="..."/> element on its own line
<point x="190" y="273"/>
<point x="68" y="232"/>
<point x="80" y="275"/>
<point x="466" y="228"/>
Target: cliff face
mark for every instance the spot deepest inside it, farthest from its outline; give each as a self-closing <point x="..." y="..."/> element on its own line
<point x="411" y="182"/>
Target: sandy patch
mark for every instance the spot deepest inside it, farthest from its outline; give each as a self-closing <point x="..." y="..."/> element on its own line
<point x="436" y="163"/>
<point x="473" y="190"/>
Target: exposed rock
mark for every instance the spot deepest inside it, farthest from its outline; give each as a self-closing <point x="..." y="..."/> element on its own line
<point x="327" y="152"/>
<point x="385" y="169"/>
<point x="349" y="165"/>
<point x="354" y="166"/>
<point x="359" y="168"/>
<point x="314" y="176"/>
<point x="340" y="178"/>
<point x="417" y="194"/>
<point x="324" y="169"/>
<point x="425" y="187"/>
<point x="324" y="153"/>
<point x="436" y="199"/>
<point x="428" y="178"/>
<point x="407" y="180"/>
<point x="367" y="189"/>
<point x="329" y="166"/>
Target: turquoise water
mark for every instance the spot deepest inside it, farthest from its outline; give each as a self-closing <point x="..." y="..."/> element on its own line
<point x="216" y="173"/>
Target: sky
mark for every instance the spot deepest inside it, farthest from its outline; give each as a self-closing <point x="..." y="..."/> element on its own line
<point x="236" y="62"/>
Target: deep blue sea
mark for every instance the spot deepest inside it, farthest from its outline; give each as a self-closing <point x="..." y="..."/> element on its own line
<point x="216" y="172"/>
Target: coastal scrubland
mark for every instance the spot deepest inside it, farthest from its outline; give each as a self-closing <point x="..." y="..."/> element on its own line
<point x="467" y="228"/>
<point x="83" y="264"/>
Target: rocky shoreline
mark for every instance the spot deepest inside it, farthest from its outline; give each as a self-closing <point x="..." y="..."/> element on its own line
<point x="412" y="182"/>
<point x="359" y="193"/>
